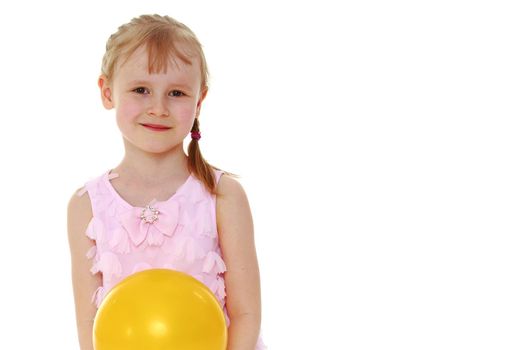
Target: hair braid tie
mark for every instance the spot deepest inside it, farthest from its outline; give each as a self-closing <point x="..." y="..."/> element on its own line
<point x="196" y="135"/>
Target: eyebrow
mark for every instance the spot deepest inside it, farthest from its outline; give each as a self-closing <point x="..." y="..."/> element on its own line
<point x="143" y="82"/>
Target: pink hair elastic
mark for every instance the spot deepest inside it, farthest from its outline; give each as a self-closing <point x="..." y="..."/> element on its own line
<point x="196" y="135"/>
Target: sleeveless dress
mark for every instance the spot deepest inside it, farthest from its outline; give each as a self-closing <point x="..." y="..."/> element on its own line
<point x="179" y="233"/>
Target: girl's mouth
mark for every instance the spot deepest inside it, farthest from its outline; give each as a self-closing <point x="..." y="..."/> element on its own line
<point x="156" y="127"/>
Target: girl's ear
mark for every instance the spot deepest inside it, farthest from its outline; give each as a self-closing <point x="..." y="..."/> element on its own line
<point x="105" y="92"/>
<point x="199" y="103"/>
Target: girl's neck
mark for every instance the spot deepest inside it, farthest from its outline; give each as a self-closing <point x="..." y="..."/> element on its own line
<point x="153" y="169"/>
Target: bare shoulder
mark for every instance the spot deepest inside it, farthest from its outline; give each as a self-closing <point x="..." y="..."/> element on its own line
<point x="77" y="201"/>
<point x="234" y="216"/>
<point x="79" y="206"/>
<point x="229" y="187"/>
<point x="231" y="199"/>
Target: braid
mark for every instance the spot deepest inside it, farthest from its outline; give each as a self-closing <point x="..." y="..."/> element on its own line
<point x="196" y="162"/>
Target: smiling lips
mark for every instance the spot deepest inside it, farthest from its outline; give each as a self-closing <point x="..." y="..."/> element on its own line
<point x="155" y="127"/>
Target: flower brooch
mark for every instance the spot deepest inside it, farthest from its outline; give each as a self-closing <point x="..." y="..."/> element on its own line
<point x="152" y="214"/>
<point x="152" y="223"/>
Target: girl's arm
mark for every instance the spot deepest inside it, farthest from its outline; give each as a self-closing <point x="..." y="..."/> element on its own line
<point x="235" y="226"/>
<point x="84" y="283"/>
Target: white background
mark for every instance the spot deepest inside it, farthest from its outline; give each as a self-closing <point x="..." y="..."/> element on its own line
<point x="381" y="144"/>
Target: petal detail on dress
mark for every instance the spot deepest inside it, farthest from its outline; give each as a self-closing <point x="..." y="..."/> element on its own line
<point x="90" y="232"/>
<point x="98" y="295"/>
<point x="154" y="236"/>
<point x="91" y="252"/>
<point x="218" y="288"/>
<point x="119" y="241"/>
<point x="169" y="245"/>
<point x="213" y="261"/>
<point x="206" y="226"/>
<point x="186" y="248"/>
<point x="109" y="264"/>
<point x="224" y="310"/>
<point x="112" y="208"/>
<point x="95" y="229"/>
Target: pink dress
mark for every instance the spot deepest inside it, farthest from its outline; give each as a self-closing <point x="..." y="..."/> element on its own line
<point x="179" y="233"/>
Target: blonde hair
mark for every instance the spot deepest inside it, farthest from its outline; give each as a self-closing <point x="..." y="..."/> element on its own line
<point x="165" y="39"/>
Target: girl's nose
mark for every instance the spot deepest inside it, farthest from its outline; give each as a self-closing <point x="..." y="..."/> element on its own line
<point x="158" y="107"/>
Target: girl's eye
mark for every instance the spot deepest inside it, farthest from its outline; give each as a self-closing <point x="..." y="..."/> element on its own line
<point x="176" y="93"/>
<point x="140" y="90"/>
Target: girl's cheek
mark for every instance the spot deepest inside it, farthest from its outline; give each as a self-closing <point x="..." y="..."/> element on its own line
<point x="130" y="109"/>
<point x="187" y="112"/>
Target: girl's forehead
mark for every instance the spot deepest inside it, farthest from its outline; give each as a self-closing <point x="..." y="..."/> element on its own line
<point x="139" y="63"/>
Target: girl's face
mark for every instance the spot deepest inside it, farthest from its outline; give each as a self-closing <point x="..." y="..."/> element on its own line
<point x="172" y="100"/>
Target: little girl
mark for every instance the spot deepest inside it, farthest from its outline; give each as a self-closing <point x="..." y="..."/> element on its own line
<point x="161" y="208"/>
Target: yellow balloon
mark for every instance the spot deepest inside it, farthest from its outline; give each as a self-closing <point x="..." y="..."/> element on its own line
<point x="160" y="309"/>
